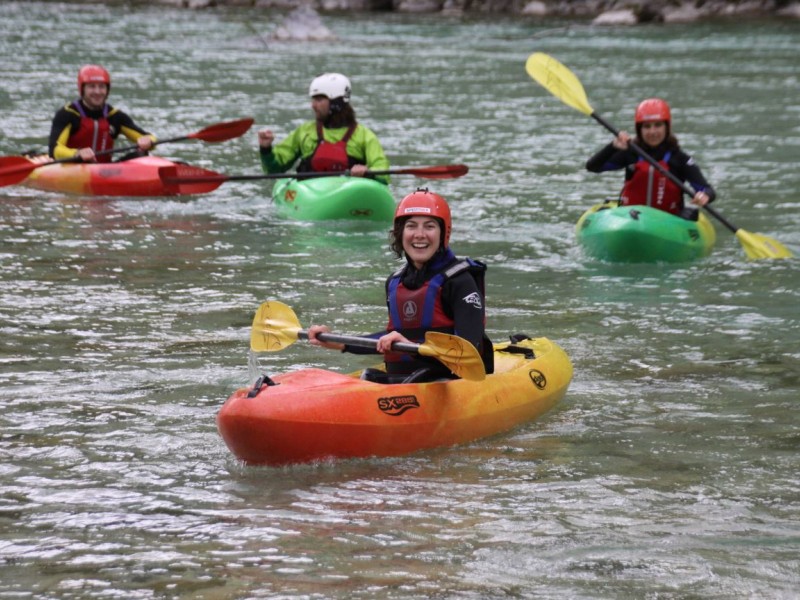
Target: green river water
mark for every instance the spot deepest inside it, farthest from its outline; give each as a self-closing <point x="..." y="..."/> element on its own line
<point x="670" y="470"/>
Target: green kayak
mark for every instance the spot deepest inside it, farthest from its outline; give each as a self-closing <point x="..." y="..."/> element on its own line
<point x="642" y="234"/>
<point x="335" y="197"/>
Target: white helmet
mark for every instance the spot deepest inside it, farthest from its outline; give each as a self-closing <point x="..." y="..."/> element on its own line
<point x="330" y="85"/>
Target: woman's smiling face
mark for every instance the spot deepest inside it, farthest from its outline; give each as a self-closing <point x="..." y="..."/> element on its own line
<point x="654" y="132"/>
<point x="422" y="237"/>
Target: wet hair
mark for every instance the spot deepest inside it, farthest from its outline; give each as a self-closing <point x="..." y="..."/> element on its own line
<point x="671" y="141"/>
<point x="396" y="235"/>
<point x="341" y="115"/>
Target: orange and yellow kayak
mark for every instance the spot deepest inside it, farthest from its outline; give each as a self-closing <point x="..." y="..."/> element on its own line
<point x="315" y="414"/>
<point x="135" y="177"/>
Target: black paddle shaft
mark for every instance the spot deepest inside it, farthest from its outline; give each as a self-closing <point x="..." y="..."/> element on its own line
<point x="686" y="188"/>
<point x="360" y="342"/>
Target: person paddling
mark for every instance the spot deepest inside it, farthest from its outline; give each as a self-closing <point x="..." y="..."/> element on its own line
<point x="334" y="141"/>
<point x="644" y="184"/>
<point x="89" y="125"/>
<point x="433" y="291"/>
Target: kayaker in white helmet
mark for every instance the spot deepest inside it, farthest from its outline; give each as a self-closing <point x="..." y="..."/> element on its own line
<point x="433" y="291"/>
<point x="334" y="141"/>
<point x="89" y="125"/>
<point x="644" y="184"/>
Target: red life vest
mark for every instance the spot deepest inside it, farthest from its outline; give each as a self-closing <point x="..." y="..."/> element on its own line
<point x="331" y="156"/>
<point x="649" y="186"/>
<point x="414" y="312"/>
<point x="92" y="133"/>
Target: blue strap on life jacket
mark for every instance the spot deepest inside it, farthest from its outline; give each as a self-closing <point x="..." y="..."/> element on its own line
<point x="429" y="304"/>
<point x="476" y="268"/>
<point x="667" y="156"/>
<point x="79" y="107"/>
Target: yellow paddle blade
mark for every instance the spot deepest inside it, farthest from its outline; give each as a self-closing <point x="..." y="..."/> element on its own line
<point x="558" y="80"/>
<point x="760" y="246"/>
<point x="456" y="353"/>
<point x="275" y="327"/>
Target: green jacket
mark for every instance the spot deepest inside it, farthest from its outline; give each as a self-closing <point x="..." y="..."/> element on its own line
<point x="363" y="146"/>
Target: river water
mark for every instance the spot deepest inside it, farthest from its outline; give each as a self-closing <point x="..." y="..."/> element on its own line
<point x="670" y="470"/>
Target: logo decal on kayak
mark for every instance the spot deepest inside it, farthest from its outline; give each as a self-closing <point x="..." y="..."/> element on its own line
<point x="361" y="212"/>
<point x="396" y="405"/>
<point x="109" y="172"/>
<point x="538" y="378"/>
<point x="290" y="195"/>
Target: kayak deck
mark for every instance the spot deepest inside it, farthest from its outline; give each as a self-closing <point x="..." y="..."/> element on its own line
<point x="314" y="414"/>
<point x="135" y="177"/>
<point x="334" y="197"/>
<point x="643" y="234"/>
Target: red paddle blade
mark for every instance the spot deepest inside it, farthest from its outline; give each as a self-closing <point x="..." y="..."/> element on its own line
<point x="14" y="169"/>
<point x="222" y="132"/>
<point x="186" y="179"/>
<point x="437" y="172"/>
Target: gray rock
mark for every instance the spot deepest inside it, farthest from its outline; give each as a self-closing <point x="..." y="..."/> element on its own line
<point x="536" y="8"/>
<point x="625" y="16"/>
<point x="418" y="6"/>
<point x="792" y="11"/>
<point x="303" y="24"/>
<point x="685" y="13"/>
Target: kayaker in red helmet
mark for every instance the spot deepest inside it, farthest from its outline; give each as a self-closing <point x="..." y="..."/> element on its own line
<point x="88" y="125"/>
<point x="644" y="184"/>
<point x="433" y="291"/>
<point x="333" y="141"/>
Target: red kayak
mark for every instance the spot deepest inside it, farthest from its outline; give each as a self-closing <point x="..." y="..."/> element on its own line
<point x="135" y="177"/>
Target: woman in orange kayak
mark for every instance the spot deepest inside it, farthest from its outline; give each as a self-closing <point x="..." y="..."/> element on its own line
<point x="644" y="184"/>
<point x="88" y="126"/>
<point x="434" y="291"/>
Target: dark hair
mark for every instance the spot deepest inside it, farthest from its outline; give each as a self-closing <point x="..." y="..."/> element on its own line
<point x="396" y="236"/>
<point x="343" y="117"/>
<point x="671" y="141"/>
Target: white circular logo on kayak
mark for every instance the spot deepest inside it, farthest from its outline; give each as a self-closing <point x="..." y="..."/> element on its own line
<point x="409" y="310"/>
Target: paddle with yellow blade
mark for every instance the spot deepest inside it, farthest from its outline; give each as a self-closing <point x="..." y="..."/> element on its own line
<point x="275" y="327"/>
<point x="14" y="169"/>
<point x="187" y="174"/>
<point x="564" y="85"/>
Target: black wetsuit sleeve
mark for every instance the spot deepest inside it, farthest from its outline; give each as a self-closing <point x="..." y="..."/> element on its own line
<point x="62" y="119"/>
<point x="123" y="124"/>
<point x="461" y="296"/>
<point x="687" y="170"/>
<point x="608" y="158"/>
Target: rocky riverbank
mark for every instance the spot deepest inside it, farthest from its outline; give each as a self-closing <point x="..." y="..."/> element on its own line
<point x="611" y="12"/>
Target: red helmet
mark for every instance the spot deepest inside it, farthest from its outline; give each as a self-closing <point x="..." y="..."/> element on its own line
<point x="92" y="74"/>
<point x="652" y="109"/>
<point x="426" y="204"/>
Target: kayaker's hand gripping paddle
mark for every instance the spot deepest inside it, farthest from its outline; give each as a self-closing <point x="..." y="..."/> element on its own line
<point x="276" y="327"/>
